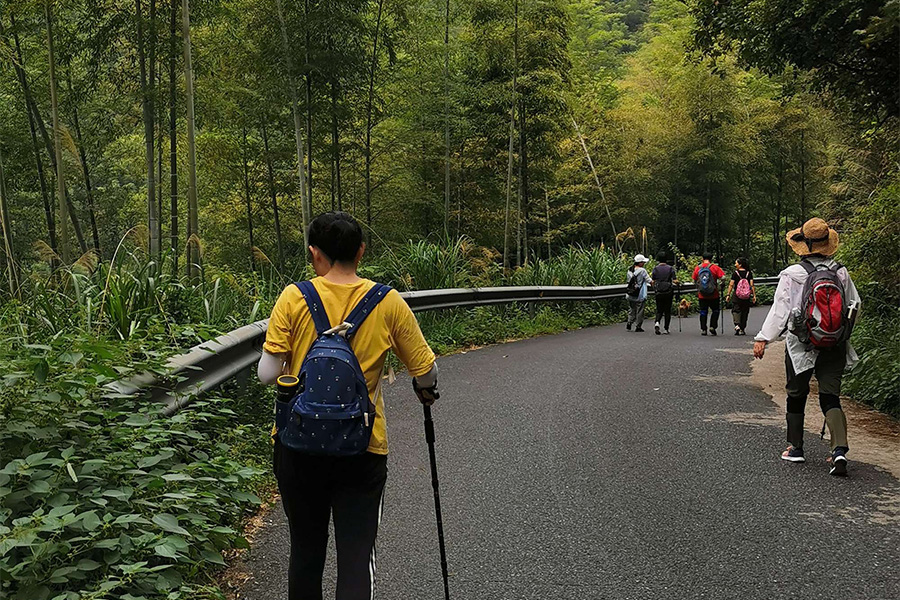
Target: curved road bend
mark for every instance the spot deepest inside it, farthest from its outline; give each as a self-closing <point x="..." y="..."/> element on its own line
<point x="605" y="464"/>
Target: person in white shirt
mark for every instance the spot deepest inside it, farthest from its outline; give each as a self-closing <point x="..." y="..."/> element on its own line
<point x="636" y="302"/>
<point x="816" y="243"/>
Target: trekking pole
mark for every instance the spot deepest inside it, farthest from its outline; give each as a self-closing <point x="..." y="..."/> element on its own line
<point x="678" y="308"/>
<point x="429" y="438"/>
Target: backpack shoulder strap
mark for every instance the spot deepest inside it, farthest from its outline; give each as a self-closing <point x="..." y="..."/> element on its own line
<point x="365" y="307"/>
<point x="837" y="267"/>
<point x="316" y="308"/>
<point x="808" y="266"/>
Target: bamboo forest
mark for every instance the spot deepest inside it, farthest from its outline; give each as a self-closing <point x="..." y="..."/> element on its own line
<point x="161" y="160"/>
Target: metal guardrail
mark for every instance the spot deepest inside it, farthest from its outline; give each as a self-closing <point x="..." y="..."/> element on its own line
<point x="208" y="365"/>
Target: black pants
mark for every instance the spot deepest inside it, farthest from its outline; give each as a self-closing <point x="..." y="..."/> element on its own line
<point x="829" y="372"/>
<point x="740" y="311"/>
<point x="313" y="488"/>
<point x="664" y="308"/>
<point x="708" y="305"/>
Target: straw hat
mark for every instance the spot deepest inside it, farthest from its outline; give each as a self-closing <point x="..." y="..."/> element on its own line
<point x="814" y="237"/>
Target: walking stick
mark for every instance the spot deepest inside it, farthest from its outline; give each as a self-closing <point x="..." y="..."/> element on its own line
<point x="678" y="308"/>
<point x="429" y="437"/>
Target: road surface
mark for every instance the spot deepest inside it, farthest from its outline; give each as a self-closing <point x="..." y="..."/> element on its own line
<point x="605" y="464"/>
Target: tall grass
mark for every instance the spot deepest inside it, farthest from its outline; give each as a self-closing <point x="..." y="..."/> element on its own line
<point x="425" y="265"/>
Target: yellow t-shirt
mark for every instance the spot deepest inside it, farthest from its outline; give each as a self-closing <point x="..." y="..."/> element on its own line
<point x="391" y="326"/>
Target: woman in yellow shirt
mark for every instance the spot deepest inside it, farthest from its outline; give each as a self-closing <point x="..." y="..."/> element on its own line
<point x="349" y="487"/>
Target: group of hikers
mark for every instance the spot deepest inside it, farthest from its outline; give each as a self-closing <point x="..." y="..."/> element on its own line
<point x="328" y="339"/>
<point x="663" y="280"/>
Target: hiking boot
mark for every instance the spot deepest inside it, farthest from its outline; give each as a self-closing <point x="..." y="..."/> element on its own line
<point x="793" y="455"/>
<point x="838" y="463"/>
<point x="628" y="326"/>
<point x="639" y="330"/>
<point x="702" y="332"/>
<point x="656" y="328"/>
<point x="737" y="331"/>
<point x="666" y="332"/>
<point x="743" y="332"/>
<point x="712" y="331"/>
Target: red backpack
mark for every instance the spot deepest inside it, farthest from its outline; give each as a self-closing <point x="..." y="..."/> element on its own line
<point x="823" y="315"/>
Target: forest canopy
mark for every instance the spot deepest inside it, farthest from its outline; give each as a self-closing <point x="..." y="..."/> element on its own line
<point x="525" y="125"/>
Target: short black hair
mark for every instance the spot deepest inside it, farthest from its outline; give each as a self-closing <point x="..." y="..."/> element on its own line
<point x="662" y="256"/>
<point x="743" y="263"/>
<point x="337" y="234"/>
<point x="707" y="256"/>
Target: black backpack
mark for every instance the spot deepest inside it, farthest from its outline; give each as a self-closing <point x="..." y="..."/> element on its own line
<point x="634" y="285"/>
<point x="664" y="286"/>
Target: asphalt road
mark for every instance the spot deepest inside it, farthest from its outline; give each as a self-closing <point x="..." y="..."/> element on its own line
<point x="599" y="464"/>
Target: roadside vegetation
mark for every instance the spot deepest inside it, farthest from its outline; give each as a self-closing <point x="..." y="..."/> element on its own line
<point x="481" y="143"/>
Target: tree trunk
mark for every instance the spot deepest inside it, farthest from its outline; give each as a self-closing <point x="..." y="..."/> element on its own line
<point x="18" y="66"/>
<point x="512" y="128"/>
<point x="148" y="114"/>
<point x="547" y="208"/>
<point x="11" y="275"/>
<point x="51" y="147"/>
<point x="295" y="102"/>
<point x="193" y="233"/>
<point x="247" y="197"/>
<point x="778" y="241"/>
<point x="447" y="119"/>
<point x="60" y="175"/>
<point x="520" y="192"/>
<point x="274" y="197"/>
<point x="523" y="186"/>
<point x="599" y="187"/>
<point x="309" y="148"/>
<point x="95" y="234"/>
<point x="460" y="184"/>
<point x="173" y="138"/>
<point x="706" y="217"/>
<point x="369" y="105"/>
<point x="802" y="177"/>
<point x="160" y="126"/>
<point x="677" y="207"/>
<point x="719" y="232"/>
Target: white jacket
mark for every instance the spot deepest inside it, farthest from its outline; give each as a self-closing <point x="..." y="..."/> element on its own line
<point x="787" y="297"/>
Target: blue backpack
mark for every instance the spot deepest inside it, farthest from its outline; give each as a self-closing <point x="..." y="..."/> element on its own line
<point x="705" y="281"/>
<point x="331" y="414"/>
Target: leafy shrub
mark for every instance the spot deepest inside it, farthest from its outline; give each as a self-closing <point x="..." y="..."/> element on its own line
<point x="100" y="498"/>
<point x="876" y="378"/>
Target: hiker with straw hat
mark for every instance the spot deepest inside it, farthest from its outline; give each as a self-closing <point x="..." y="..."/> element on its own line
<point x="815" y="303"/>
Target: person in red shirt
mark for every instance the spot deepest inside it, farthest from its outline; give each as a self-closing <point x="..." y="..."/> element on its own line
<point x="707" y="276"/>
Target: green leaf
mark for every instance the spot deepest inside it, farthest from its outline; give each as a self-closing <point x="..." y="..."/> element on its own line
<point x="138" y="420"/>
<point x="33" y="459"/>
<point x="103" y="370"/>
<point x="38" y="486"/>
<point x="126" y="519"/>
<point x="169" y="523"/>
<point x="60" y="511"/>
<point x="41" y="370"/>
<point x="71" y="471"/>
<point x="166" y="549"/>
<point x="212" y="557"/>
<point x="90" y="521"/>
<point x="86" y="564"/>
<point x="246" y="497"/>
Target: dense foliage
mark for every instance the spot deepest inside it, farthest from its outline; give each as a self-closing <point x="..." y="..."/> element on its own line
<point x="146" y="206"/>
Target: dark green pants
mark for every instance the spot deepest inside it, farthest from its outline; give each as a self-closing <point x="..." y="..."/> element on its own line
<point x="829" y="372"/>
